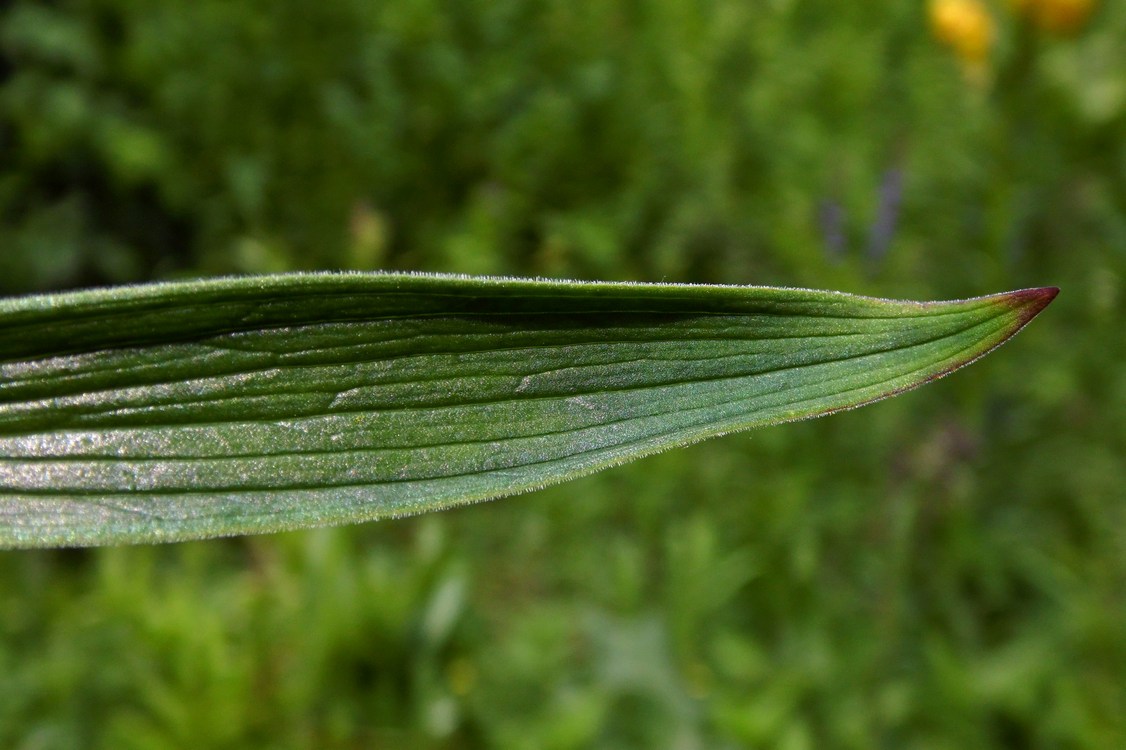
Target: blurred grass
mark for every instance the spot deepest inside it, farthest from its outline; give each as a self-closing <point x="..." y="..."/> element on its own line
<point x="945" y="570"/>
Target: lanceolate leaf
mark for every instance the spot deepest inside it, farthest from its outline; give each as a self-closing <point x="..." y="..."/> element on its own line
<point x="188" y="410"/>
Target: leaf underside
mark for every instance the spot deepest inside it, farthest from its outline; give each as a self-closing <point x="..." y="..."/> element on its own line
<point x="200" y="409"/>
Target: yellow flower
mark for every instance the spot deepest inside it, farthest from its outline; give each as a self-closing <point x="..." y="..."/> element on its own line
<point x="963" y="25"/>
<point x="1061" y="17"/>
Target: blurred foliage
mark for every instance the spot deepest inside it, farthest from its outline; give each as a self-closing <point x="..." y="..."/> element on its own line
<point x="946" y="570"/>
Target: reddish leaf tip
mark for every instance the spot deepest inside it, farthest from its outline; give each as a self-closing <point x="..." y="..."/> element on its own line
<point x="1029" y="302"/>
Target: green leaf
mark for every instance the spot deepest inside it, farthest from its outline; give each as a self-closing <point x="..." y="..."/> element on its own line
<point x="189" y="410"/>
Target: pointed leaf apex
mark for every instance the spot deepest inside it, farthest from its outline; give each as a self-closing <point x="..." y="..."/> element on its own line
<point x="1029" y="302"/>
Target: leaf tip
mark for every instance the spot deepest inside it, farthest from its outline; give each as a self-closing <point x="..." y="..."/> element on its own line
<point x="1028" y="303"/>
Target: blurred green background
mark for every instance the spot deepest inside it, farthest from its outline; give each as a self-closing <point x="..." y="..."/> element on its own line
<point x="943" y="570"/>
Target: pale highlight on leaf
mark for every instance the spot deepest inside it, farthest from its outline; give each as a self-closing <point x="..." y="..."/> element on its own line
<point x="201" y="409"/>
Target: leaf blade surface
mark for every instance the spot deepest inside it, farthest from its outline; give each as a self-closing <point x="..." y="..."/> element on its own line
<point x="199" y="409"/>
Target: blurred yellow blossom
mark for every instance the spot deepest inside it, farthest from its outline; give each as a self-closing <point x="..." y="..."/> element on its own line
<point x="1056" y="16"/>
<point x="965" y="26"/>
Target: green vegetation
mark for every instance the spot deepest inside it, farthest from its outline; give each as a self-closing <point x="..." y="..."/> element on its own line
<point x="178" y="411"/>
<point x="944" y="570"/>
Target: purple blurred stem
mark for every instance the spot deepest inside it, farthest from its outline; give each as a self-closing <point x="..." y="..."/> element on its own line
<point x="887" y="214"/>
